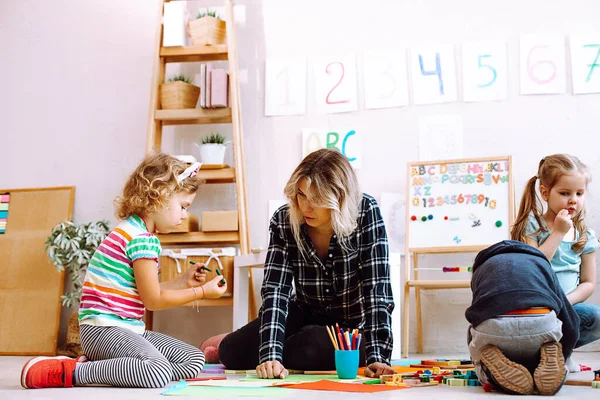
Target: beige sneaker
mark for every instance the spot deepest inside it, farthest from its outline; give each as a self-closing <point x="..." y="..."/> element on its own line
<point x="510" y="376"/>
<point x="551" y="373"/>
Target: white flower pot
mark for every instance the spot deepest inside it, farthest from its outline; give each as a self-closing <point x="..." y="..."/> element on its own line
<point x="212" y="153"/>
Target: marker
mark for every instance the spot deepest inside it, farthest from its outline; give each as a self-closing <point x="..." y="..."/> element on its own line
<point x="202" y="267"/>
<point x="219" y="273"/>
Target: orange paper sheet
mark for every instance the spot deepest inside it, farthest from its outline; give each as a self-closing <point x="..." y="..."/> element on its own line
<point x="342" y="387"/>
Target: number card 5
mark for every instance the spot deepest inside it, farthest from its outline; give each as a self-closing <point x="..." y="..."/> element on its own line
<point x="335" y="81"/>
<point x="484" y="71"/>
<point x="285" y="86"/>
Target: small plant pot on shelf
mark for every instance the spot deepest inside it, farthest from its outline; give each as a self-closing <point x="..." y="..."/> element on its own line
<point x="212" y="153"/>
<point x="178" y="95"/>
<point x="207" y="31"/>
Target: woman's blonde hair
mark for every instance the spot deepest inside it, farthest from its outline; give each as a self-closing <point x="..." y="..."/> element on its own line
<point x="332" y="184"/>
<point x="152" y="185"/>
<point x="550" y="169"/>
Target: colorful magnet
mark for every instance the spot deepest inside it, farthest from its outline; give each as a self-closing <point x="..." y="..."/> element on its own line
<point x="423" y="218"/>
<point x="498" y="224"/>
<point x="413" y="218"/>
<point x="430" y="217"/>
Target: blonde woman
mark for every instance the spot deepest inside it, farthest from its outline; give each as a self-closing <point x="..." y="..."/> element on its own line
<point x="330" y="243"/>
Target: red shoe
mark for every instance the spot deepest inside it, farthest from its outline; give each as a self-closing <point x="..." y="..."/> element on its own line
<point x="48" y="372"/>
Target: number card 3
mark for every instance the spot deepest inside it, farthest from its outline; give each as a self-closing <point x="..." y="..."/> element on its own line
<point x="542" y="64"/>
<point x="385" y="78"/>
<point x="335" y="81"/>
<point x="485" y="76"/>
<point x="285" y="86"/>
<point x="585" y="63"/>
<point x="433" y="75"/>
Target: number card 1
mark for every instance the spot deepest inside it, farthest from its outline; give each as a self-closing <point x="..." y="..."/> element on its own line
<point x="335" y="81"/>
<point x="433" y="75"/>
<point x="385" y="78"/>
<point x="285" y="86"/>
<point x="542" y="64"/>
<point x="585" y="63"/>
<point x="485" y="72"/>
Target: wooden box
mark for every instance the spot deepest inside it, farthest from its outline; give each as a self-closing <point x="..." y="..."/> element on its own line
<point x="219" y="221"/>
<point x="190" y="224"/>
<point x="169" y="258"/>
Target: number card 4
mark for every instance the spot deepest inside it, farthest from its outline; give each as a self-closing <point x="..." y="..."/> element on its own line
<point x="585" y="63"/>
<point x="335" y="81"/>
<point x="485" y="76"/>
<point x="385" y="78"/>
<point x="285" y="86"/>
<point x="433" y="75"/>
<point x="542" y="64"/>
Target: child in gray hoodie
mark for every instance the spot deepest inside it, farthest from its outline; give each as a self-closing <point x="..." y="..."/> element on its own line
<point x="522" y="325"/>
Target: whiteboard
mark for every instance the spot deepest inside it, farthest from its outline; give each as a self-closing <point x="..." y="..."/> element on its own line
<point x="459" y="203"/>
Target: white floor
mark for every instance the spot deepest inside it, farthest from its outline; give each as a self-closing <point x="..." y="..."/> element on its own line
<point x="10" y="388"/>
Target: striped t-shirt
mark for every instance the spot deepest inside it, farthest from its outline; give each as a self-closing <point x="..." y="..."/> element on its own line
<point x="110" y="296"/>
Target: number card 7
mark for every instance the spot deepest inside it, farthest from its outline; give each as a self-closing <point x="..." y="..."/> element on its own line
<point x="484" y="71"/>
<point x="335" y="84"/>
<point x="585" y="63"/>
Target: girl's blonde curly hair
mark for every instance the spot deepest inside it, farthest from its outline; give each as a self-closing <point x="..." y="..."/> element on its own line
<point x="152" y="185"/>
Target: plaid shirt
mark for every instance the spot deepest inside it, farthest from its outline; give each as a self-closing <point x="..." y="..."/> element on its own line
<point x="351" y="287"/>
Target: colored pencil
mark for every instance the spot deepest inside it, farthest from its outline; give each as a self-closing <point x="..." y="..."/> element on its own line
<point x="335" y="346"/>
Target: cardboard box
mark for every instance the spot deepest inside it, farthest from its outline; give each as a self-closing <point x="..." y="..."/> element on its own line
<point x="219" y="221"/>
<point x="190" y="224"/>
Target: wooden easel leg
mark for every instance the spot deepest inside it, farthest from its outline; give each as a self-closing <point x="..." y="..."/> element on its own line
<point x="419" y="321"/>
<point x="252" y="312"/>
<point x="405" y="320"/>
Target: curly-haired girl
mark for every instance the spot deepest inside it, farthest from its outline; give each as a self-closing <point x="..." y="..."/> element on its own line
<point x="122" y="281"/>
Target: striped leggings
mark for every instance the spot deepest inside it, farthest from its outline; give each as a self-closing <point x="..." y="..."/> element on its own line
<point x="122" y="358"/>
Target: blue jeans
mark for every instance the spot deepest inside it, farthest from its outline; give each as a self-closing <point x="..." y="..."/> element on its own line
<point x="589" y="325"/>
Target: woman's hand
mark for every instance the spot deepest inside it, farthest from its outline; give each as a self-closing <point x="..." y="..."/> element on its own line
<point x="213" y="289"/>
<point x="376" y="369"/>
<point x="195" y="276"/>
<point x="271" y="369"/>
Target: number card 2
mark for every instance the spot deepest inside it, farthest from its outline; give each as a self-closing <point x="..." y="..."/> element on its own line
<point x="542" y="64"/>
<point x="335" y="84"/>
<point x="285" y="86"/>
<point x="433" y="75"/>
<point x="585" y="63"/>
<point x="385" y="78"/>
<point x="485" y="76"/>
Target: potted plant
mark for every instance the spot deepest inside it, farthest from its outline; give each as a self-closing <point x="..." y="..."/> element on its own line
<point x="207" y="29"/>
<point x="178" y="93"/>
<point x="212" y="149"/>
<point x="71" y="247"/>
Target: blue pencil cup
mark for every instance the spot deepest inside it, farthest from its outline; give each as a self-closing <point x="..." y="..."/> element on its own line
<point x="346" y="363"/>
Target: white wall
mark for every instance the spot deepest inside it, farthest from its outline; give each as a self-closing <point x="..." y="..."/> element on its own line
<point x="77" y="79"/>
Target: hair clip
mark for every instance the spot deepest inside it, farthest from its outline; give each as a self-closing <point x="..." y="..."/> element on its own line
<point x="189" y="172"/>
